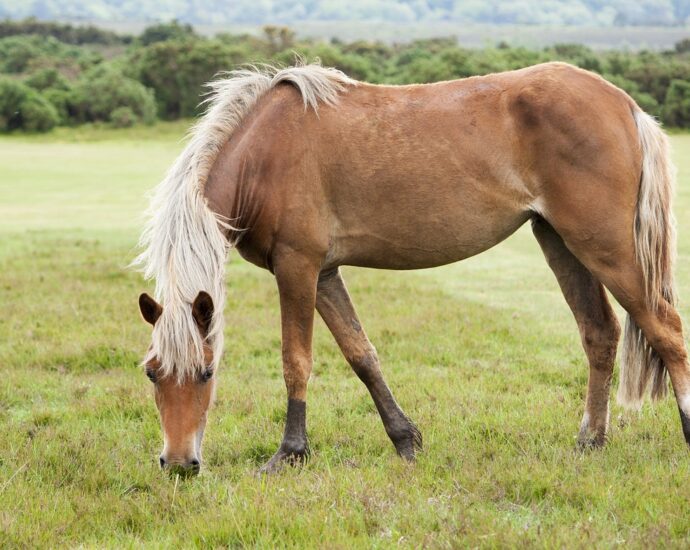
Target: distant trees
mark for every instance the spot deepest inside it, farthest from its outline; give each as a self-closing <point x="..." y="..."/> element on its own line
<point x="105" y="94"/>
<point x="176" y="70"/>
<point x="68" y="34"/>
<point x="160" y="74"/>
<point x="553" y="12"/>
<point x="166" y="31"/>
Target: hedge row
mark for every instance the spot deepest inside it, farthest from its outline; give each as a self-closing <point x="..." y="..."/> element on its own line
<point x="160" y="74"/>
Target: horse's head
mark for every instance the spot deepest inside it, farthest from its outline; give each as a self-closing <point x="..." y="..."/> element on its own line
<point x="182" y="401"/>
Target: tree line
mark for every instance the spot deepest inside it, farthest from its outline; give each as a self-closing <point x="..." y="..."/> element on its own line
<point x="553" y="12"/>
<point x="51" y="75"/>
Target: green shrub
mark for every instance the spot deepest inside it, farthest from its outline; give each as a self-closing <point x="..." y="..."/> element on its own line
<point x="677" y="105"/>
<point x="16" y="53"/>
<point x="12" y="93"/>
<point x="123" y="117"/>
<point x="21" y="54"/>
<point x="47" y="78"/>
<point x="177" y="71"/>
<point x="63" y="102"/>
<point x="166" y="31"/>
<point x="104" y="90"/>
<point x="38" y="114"/>
<point x="24" y="108"/>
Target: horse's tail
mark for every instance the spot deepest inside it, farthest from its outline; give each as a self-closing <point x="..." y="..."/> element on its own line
<point x="655" y="237"/>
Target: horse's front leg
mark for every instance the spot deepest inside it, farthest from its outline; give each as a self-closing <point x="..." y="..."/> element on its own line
<point x="296" y="277"/>
<point x="334" y="304"/>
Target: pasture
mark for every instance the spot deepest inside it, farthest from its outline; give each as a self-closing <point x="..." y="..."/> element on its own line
<point x="483" y="355"/>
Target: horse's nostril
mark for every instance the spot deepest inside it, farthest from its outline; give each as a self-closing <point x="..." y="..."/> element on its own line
<point x="162" y="461"/>
<point x="194" y="463"/>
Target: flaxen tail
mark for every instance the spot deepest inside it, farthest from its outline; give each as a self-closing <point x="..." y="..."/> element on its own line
<point x="655" y="245"/>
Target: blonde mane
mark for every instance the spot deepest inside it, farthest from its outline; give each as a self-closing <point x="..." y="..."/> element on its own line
<point x="183" y="242"/>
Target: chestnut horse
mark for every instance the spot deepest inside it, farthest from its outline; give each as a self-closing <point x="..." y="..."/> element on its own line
<point x="303" y="170"/>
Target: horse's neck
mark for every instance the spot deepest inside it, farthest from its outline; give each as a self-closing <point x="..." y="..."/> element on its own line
<point x="231" y="193"/>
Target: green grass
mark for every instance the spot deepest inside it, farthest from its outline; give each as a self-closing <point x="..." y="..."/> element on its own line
<point x="483" y="355"/>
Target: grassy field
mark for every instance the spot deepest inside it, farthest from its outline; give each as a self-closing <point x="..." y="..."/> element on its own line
<point x="483" y="355"/>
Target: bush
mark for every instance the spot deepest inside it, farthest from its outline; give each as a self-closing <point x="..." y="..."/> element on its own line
<point x="24" y="108"/>
<point x="47" y="78"/>
<point x="677" y="105"/>
<point x="102" y="91"/>
<point x="26" y="54"/>
<point x="166" y="31"/>
<point x="177" y="71"/>
<point x="16" y="53"/>
<point x="12" y="94"/>
<point x="63" y="102"/>
<point x="38" y="114"/>
<point x="123" y="117"/>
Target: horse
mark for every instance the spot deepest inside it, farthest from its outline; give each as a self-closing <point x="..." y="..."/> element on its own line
<point x="303" y="170"/>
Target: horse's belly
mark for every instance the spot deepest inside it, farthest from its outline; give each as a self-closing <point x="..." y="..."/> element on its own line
<point x="413" y="242"/>
<point x="403" y="205"/>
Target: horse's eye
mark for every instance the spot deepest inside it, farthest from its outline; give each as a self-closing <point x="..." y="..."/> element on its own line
<point x="206" y="375"/>
<point x="151" y="375"/>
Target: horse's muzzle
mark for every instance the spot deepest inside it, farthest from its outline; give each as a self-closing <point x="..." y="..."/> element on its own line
<point x="183" y="469"/>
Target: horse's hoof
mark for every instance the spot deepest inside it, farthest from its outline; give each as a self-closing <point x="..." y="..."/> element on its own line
<point x="281" y="458"/>
<point x="589" y="441"/>
<point x="409" y="443"/>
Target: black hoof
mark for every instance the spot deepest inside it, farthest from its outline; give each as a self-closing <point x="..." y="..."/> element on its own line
<point x="283" y="457"/>
<point x="408" y="441"/>
<point x="588" y="440"/>
<point x="685" y="421"/>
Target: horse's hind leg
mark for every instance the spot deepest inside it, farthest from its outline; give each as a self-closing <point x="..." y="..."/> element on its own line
<point x="662" y="329"/>
<point x="604" y="245"/>
<point x="335" y="307"/>
<point x="599" y="329"/>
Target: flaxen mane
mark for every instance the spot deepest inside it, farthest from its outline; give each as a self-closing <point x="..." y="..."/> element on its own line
<point x="184" y="246"/>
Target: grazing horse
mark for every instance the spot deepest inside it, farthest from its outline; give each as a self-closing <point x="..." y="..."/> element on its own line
<point x="303" y="170"/>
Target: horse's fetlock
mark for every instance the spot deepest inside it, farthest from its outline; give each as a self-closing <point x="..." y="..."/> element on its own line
<point x="295" y="447"/>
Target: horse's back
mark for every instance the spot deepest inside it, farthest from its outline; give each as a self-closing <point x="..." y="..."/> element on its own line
<point x="444" y="171"/>
<point x="422" y="175"/>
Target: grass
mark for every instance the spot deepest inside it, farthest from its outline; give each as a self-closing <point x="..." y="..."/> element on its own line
<point x="483" y="355"/>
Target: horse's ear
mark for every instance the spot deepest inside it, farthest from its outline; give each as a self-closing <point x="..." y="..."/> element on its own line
<point x="202" y="310"/>
<point x="150" y="309"/>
